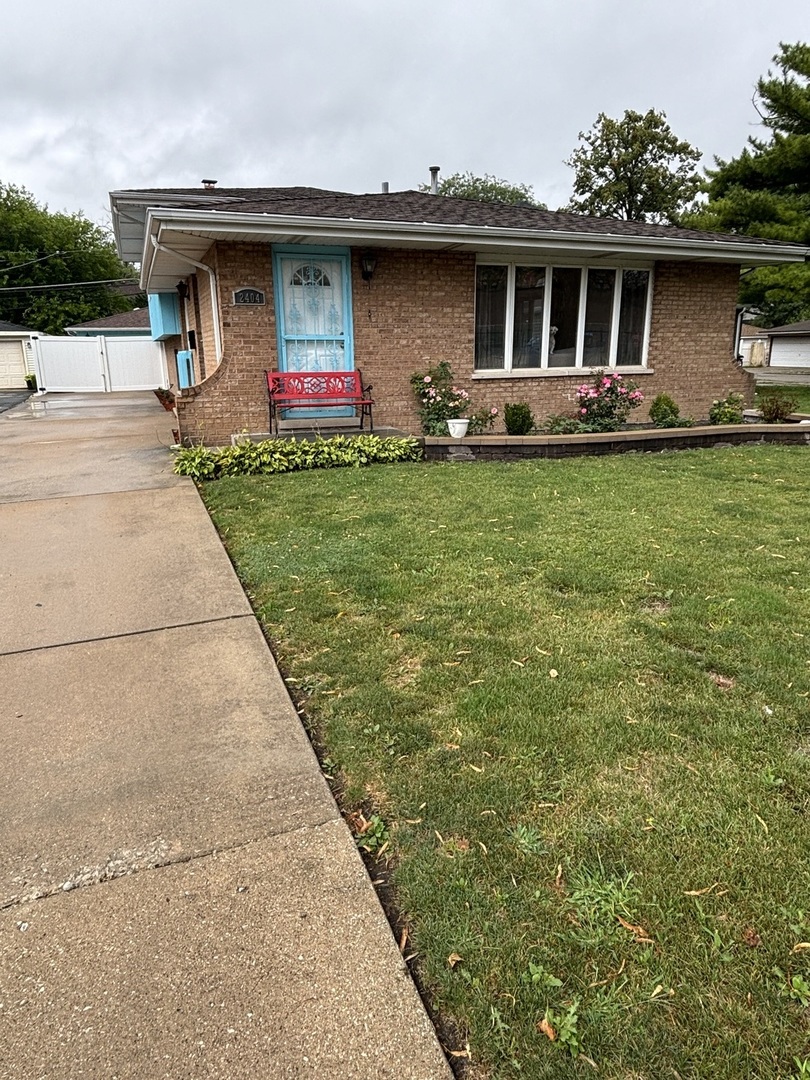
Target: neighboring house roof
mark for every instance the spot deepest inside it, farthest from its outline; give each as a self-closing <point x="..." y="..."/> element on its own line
<point x="13" y="328"/>
<point x="749" y="331"/>
<point x="137" y="319"/>
<point x="166" y="228"/>
<point x="789" y="329"/>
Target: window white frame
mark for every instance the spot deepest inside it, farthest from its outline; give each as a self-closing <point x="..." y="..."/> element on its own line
<point x="545" y="369"/>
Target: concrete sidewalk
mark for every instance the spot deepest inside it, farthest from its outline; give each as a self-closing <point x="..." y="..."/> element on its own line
<point x="180" y="897"/>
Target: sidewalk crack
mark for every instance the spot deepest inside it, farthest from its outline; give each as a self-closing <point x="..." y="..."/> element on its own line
<point x="154" y="856"/>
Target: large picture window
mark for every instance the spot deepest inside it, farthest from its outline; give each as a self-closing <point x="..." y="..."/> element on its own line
<point x="549" y="317"/>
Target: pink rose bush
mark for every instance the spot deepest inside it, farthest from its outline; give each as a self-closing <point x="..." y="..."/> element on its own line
<point x="606" y="404"/>
<point x="441" y="400"/>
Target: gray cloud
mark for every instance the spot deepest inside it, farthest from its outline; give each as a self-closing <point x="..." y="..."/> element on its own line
<point x="348" y="94"/>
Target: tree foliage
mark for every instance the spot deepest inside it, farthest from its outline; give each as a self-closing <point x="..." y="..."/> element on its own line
<point x="765" y="191"/>
<point x="634" y="168"/>
<point x="487" y="188"/>
<point x="39" y="248"/>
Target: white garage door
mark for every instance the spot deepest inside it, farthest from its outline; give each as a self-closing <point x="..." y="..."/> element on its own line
<point x="12" y="365"/>
<point x="791" y="351"/>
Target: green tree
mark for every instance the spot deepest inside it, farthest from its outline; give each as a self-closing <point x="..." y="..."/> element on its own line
<point x="40" y="248"/>
<point x="634" y="168"/>
<point x="766" y="190"/>
<point x="487" y="188"/>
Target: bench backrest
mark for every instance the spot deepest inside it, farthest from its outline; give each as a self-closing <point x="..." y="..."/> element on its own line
<point x="314" y="384"/>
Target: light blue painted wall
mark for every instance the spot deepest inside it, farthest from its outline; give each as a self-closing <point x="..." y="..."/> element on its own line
<point x="185" y="368"/>
<point x="164" y="315"/>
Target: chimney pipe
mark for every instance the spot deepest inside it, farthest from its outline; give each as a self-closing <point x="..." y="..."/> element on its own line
<point x="385" y="187"/>
<point x="209" y="185"/>
<point x="434" y="179"/>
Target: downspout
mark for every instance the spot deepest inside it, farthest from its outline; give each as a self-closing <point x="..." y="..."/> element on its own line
<point x="212" y="280"/>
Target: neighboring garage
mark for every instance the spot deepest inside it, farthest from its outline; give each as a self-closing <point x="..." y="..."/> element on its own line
<point x="16" y="356"/>
<point x="789" y="346"/>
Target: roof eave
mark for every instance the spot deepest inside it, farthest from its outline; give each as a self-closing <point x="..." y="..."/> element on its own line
<point x="214" y="225"/>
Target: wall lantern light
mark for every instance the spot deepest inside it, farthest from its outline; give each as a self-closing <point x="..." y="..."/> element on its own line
<point x="368" y="264"/>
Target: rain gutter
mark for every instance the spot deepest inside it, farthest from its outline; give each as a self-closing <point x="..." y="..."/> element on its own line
<point x="212" y="281"/>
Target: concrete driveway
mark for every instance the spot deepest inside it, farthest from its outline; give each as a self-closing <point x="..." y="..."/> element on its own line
<point x="10" y="398"/>
<point x="180" y="897"/>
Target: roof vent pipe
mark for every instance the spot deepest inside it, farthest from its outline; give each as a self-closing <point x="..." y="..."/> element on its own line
<point x="209" y="185"/>
<point x="385" y="187"/>
<point x="434" y="179"/>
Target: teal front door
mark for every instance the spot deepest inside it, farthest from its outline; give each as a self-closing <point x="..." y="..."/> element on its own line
<point x="313" y="306"/>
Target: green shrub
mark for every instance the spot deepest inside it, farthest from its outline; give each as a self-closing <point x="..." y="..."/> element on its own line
<point x="664" y="413"/>
<point x="663" y="409"/>
<point x="289" y="455"/>
<point x="198" y="462"/>
<point x="518" y="418"/>
<point x="565" y="425"/>
<point x="727" y="410"/>
<point x="775" y="407"/>
<point x="31" y="380"/>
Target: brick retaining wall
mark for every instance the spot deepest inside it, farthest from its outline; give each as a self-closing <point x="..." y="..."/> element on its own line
<point x="514" y="448"/>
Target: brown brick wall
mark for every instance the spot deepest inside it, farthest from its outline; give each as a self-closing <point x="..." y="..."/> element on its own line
<point x="206" y="357"/>
<point x="419" y="309"/>
<point x="195" y="323"/>
<point x="233" y="397"/>
<point x="692" y="336"/>
<point x="170" y="346"/>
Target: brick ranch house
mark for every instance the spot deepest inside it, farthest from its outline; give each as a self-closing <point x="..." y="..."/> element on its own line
<point x="523" y="303"/>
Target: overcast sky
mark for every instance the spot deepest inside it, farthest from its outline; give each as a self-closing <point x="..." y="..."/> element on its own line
<point x="345" y="94"/>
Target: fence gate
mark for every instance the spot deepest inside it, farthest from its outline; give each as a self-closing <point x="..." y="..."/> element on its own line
<point x="135" y="365"/>
<point x="99" y="364"/>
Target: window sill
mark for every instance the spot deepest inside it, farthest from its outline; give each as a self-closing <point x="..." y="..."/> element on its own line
<point x="561" y="373"/>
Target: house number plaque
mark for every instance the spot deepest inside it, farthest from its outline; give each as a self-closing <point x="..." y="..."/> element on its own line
<point x="248" y="296"/>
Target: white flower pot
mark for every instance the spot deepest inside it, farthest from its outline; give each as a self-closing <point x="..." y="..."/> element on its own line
<point x="457" y="428"/>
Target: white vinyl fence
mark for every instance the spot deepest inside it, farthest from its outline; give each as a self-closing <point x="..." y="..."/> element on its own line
<point x="99" y="364"/>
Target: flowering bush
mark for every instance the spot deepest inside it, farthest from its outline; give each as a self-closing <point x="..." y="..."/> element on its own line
<point x="441" y="400"/>
<point x="727" y="410"/>
<point x="482" y="420"/>
<point x="606" y="404"/>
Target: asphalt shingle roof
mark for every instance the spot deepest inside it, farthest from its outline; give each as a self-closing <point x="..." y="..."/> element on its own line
<point x="790" y="328"/>
<point x="420" y="207"/>
<point x="137" y="319"/>
<point x="13" y="328"/>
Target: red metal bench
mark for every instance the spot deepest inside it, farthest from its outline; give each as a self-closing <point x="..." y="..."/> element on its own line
<point x="317" y="390"/>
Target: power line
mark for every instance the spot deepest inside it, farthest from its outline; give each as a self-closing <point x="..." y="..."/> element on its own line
<point x="65" y="285"/>
<point x="18" y="266"/>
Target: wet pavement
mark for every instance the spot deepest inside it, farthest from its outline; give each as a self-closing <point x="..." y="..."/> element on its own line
<point x="10" y="398"/>
<point x="179" y="896"/>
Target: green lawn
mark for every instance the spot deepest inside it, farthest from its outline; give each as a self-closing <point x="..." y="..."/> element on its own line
<point x="799" y="394"/>
<point x="576" y="693"/>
